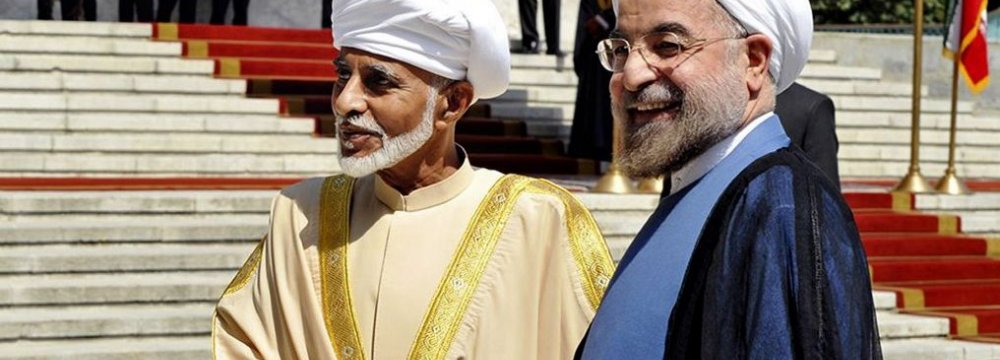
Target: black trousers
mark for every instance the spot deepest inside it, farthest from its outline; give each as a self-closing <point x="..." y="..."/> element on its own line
<point x="326" y="23"/>
<point x="138" y="10"/>
<point x="529" y="28"/>
<point x="165" y="11"/>
<point x="70" y="9"/>
<point x="219" y="8"/>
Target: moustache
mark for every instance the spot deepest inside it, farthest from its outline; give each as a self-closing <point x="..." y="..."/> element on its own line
<point x="657" y="92"/>
<point x="360" y="123"/>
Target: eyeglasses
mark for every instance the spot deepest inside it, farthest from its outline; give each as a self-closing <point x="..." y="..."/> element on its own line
<point x="654" y="48"/>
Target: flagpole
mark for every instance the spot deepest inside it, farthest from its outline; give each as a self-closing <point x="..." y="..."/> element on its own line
<point x="950" y="183"/>
<point x="914" y="182"/>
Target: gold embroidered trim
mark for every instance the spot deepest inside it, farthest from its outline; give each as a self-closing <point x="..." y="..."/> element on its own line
<point x="246" y="272"/>
<point x="588" y="246"/>
<point x="454" y="293"/>
<point x="334" y="234"/>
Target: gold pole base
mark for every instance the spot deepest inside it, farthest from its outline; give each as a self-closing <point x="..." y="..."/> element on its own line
<point x="651" y="185"/>
<point x="914" y="183"/>
<point x="950" y="184"/>
<point x="614" y="182"/>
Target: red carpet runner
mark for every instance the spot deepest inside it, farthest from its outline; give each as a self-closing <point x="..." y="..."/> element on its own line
<point x="932" y="268"/>
<point x="295" y="66"/>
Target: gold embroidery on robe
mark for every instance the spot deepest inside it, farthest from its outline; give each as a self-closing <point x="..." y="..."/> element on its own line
<point x="457" y="287"/>
<point x="589" y="249"/>
<point x="335" y="217"/>
<point x="247" y="271"/>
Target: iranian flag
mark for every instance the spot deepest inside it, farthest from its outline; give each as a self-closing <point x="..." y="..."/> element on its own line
<point x="966" y="36"/>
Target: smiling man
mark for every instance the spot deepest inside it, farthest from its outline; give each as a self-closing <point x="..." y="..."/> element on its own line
<point x="414" y="253"/>
<point x="754" y="254"/>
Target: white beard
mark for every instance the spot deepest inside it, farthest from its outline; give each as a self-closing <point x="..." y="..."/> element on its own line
<point x="394" y="149"/>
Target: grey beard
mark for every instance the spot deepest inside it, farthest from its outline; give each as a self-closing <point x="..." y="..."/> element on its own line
<point x="711" y="110"/>
<point x="394" y="149"/>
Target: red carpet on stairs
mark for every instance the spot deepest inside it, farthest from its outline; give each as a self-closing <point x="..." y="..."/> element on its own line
<point x="295" y="66"/>
<point x="933" y="268"/>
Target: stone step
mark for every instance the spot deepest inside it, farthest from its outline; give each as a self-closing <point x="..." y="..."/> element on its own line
<point x="837" y="72"/>
<point x="904" y="120"/>
<point x="979" y="222"/>
<point x="884" y="300"/>
<point x="84" y="122"/>
<point x="525" y="94"/>
<point x="125" y="348"/>
<point x="86" y="45"/>
<point x="928" y="152"/>
<point x="896" y="104"/>
<point x="929" y="137"/>
<point x="88" y="82"/>
<point x="822" y="56"/>
<point x="130" y="143"/>
<point x="136" y="202"/>
<point x="35" y="259"/>
<point x="69" y="322"/>
<point x="937" y="348"/>
<point x="842" y="87"/>
<point x="897" y="168"/>
<point x="892" y="325"/>
<point x="166" y="165"/>
<point x="211" y="229"/>
<point x="21" y="101"/>
<point x="543" y="78"/>
<point x="974" y="202"/>
<point x="119" y="288"/>
<point x="105" y="64"/>
<point x="104" y="29"/>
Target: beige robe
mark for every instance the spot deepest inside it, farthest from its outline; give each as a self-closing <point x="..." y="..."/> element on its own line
<point x="534" y="297"/>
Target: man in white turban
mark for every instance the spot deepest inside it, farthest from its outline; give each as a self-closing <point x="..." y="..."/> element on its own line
<point x="754" y="254"/>
<point x="414" y="253"/>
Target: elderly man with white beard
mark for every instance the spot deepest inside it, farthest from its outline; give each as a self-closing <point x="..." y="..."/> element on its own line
<point x="754" y="254"/>
<point x="414" y="253"/>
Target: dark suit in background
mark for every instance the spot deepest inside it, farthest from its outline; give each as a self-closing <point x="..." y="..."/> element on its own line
<point x="220" y="7"/>
<point x="138" y="10"/>
<point x="809" y="120"/>
<point x="529" y="27"/>
<point x="590" y="137"/>
<point x="69" y="9"/>
<point x="165" y="11"/>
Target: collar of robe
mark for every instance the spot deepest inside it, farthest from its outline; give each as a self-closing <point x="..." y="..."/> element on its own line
<point x="429" y="196"/>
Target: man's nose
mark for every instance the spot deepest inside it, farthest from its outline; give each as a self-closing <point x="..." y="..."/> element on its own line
<point x="351" y="98"/>
<point x="637" y="72"/>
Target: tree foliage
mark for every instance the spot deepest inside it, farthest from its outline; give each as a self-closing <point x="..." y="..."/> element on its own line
<point x="876" y="11"/>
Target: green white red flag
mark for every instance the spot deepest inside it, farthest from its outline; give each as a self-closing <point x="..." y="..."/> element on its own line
<point x="966" y="36"/>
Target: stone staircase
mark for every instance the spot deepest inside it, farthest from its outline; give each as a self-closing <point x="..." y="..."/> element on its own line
<point x="134" y="274"/>
<point x="104" y="100"/>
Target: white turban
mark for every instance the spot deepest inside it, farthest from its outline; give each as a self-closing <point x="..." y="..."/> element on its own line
<point x="787" y="23"/>
<point x="456" y="39"/>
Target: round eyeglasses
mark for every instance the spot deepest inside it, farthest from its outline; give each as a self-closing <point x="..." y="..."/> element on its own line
<point x="654" y="48"/>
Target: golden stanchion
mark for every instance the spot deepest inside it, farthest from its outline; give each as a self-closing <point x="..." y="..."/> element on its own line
<point x="653" y="185"/>
<point x="614" y="181"/>
<point x="950" y="183"/>
<point x="913" y="182"/>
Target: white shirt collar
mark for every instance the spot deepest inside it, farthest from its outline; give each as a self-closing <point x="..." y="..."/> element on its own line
<point x="702" y="164"/>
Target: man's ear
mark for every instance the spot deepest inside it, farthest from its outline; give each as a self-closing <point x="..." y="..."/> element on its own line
<point x="759" y="55"/>
<point x="456" y="99"/>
